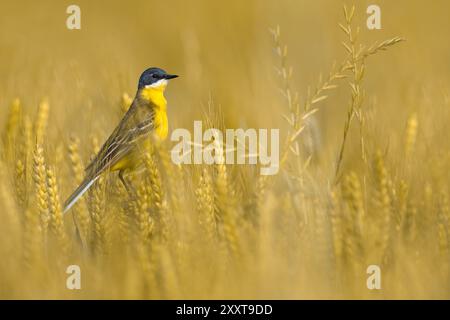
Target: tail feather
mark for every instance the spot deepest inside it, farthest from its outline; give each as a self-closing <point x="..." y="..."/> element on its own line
<point x="82" y="188"/>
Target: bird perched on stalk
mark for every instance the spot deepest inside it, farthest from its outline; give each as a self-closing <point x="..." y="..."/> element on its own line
<point x="145" y="120"/>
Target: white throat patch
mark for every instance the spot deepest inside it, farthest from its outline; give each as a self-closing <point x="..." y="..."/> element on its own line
<point x="157" y="84"/>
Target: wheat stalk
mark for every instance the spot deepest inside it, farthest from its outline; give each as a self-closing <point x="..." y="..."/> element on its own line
<point x="80" y="215"/>
<point x="204" y="195"/>
<point x="356" y="64"/>
<point x="55" y="212"/>
<point x="12" y="127"/>
<point x="41" y="121"/>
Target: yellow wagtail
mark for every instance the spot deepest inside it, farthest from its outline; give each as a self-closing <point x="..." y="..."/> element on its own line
<point x="145" y="118"/>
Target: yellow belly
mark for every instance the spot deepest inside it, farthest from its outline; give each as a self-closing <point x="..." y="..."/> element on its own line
<point x="134" y="157"/>
<point x="156" y="98"/>
<point x="124" y="163"/>
<point x="161" y="124"/>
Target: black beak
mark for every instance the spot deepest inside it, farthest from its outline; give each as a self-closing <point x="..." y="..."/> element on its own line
<point x="170" y="76"/>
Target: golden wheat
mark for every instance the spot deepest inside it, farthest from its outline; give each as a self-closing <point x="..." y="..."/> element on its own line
<point x="363" y="179"/>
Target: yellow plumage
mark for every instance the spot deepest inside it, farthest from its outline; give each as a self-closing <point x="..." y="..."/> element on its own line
<point x="155" y="97"/>
<point x="144" y="124"/>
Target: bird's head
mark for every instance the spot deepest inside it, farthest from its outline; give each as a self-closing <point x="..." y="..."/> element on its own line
<point x="154" y="78"/>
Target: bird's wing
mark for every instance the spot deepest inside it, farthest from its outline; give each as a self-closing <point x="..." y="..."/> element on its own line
<point x="137" y="123"/>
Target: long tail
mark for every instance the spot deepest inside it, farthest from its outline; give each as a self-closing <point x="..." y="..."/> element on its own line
<point x="84" y="186"/>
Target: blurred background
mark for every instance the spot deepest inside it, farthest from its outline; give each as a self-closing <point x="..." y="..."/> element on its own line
<point x="221" y="50"/>
<point x="224" y="54"/>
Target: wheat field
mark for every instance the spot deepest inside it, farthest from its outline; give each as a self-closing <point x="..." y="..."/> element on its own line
<point x="364" y="173"/>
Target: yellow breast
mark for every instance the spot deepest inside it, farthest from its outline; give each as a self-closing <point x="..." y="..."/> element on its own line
<point x="155" y="97"/>
<point x="161" y="124"/>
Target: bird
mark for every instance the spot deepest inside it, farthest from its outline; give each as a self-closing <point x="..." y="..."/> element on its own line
<point x="144" y="123"/>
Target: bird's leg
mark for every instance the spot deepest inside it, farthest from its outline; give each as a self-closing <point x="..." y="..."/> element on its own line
<point x="124" y="182"/>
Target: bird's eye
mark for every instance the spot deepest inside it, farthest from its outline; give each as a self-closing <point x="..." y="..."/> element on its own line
<point x="155" y="76"/>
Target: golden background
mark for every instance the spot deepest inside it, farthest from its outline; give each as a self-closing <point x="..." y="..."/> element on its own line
<point x="227" y="62"/>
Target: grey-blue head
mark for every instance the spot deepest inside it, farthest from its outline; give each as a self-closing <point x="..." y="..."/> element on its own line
<point x="153" y="76"/>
